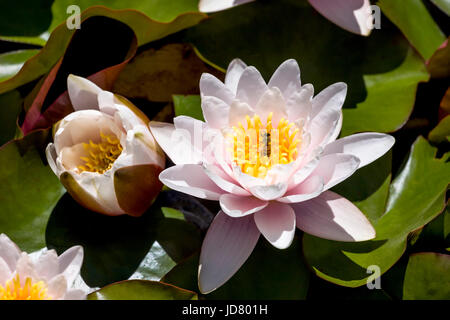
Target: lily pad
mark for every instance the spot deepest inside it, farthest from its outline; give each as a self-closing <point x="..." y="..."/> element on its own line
<point x="11" y="62"/>
<point x="10" y="106"/>
<point x="188" y="106"/>
<point x="417" y="196"/>
<point x="416" y="23"/>
<point x="427" y="277"/>
<point x="28" y="192"/>
<point x="382" y="71"/>
<point x="142" y="290"/>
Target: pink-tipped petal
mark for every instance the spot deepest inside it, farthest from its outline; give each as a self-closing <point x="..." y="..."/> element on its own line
<point x="227" y="245"/>
<point x="367" y="146"/>
<point x="330" y="98"/>
<point x="323" y="128"/>
<point x="308" y="189"/>
<point x="271" y="101"/>
<point x="299" y="105"/>
<point x="223" y="180"/>
<point x="335" y="168"/>
<point x="70" y="262"/>
<point x="237" y="206"/>
<point x="333" y="217"/>
<point x="47" y="265"/>
<point x="211" y="86"/>
<point x="9" y="251"/>
<point x="350" y="15"/>
<point x="5" y="272"/>
<point x="191" y="179"/>
<point x="286" y="78"/>
<point x="251" y="86"/>
<point x="82" y="92"/>
<point x="238" y="111"/>
<point x="276" y="222"/>
<point x="215" y="112"/>
<point x="234" y="72"/>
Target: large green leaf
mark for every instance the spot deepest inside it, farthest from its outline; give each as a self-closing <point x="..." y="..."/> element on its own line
<point x="427" y="277"/>
<point x="416" y="23"/>
<point x="269" y="273"/>
<point x="417" y="195"/>
<point x="188" y="106"/>
<point x="382" y="71"/>
<point x="28" y="192"/>
<point x="146" y="30"/>
<point x="444" y="5"/>
<point x="142" y="290"/>
<point x="11" y="62"/>
<point x="10" y="106"/>
<point x="33" y="21"/>
<point x="441" y="132"/>
<point x="117" y="248"/>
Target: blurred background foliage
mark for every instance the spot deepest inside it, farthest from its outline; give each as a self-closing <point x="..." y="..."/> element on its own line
<point x="153" y="52"/>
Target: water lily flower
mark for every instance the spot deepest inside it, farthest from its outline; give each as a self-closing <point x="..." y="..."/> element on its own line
<point x="352" y="15"/>
<point x="104" y="153"/>
<point x="269" y="154"/>
<point x="41" y="276"/>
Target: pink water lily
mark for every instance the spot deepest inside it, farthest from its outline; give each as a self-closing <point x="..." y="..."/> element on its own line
<point x="351" y="15"/>
<point x="269" y="154"/>
<point x="41" y="275"/>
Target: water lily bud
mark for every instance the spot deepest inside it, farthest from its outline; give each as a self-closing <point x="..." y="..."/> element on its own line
<point x="104" y="153"/>
<point x="41" y="275"/>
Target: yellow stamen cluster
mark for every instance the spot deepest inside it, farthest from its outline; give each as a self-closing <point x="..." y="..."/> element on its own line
<point x="30" y="291"/>
<point x="101" y="156"/>
<point x="258" y="147"/>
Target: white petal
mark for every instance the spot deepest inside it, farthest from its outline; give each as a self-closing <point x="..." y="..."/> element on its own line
<point x="287" y="78"/>
<point x="57" y="287"/>
<point x="75" y="295"/>
<point x="271" y="101"/>
<point x="238" y="206"/>
<point x="331" y="98"/>
<point x="70" y="262"/>
<point x="211" y="86"/>
<point x="238" y="111"/>
<point x="251" y="86"/>
<point x="323" y="128"/>
<point x="25" y="268"/>
<point x="5" y="272"/>
<point x="299" y="104"/>
<point x="304" y="172"/>
<point x="82" y="92"/>
<point x="335" y="168"/>
<point x="191" y="179"/>
<point x="308" y="189"/>
<point x="9" y="251"/>
<point x="50" y="153"/>
<point x="223" y="180"/>
<point x="215" y="112"/>
<point x="367" y="146"/>
<point x="333" y="217"/>
<point x="277" y="224"/>
<point x="351" y="15"/>
<point x="227" y="245"/>
<point x="218" y="5"/>
<point x="234" y="72"/>
<point x="47" y="265"/>
<point x="176" y="143"/>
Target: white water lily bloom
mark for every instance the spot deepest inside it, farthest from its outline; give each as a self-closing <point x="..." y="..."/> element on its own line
<point x="269" y="154"/>
<point x="46" y="276"/>
<point x="352" y="15"/>
<point x="104" y="153"/>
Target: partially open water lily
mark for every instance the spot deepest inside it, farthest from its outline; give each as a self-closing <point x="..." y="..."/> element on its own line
<point x="41" y="276"/>
<point x="269" y="154"/>
<point x="352" y="15"/>
<point x="104" y="153"/>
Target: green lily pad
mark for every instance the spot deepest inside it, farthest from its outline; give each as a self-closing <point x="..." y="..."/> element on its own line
<point x="28" y="192"/>
<point x="34" y="21"/>
<point x="188" y="106"/>
<point x="382" y="71"/>
<point x="444" y="5"/>
<point x="416" y="23"/>
<point x="12" y="62"/>
<point x="269" y="273"/>
<point x="417" y="196"/>
<point x="141" y="290"/>
<point x="146" y="30"/>
<point x="427" y="277"/>
<point x="10" y="107"/>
